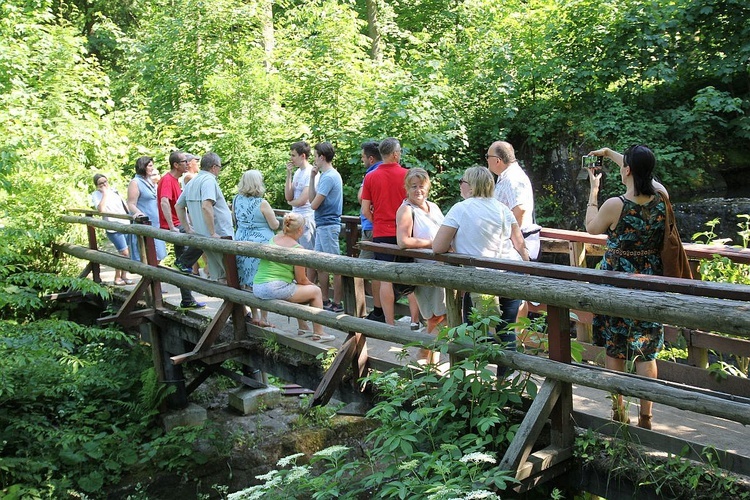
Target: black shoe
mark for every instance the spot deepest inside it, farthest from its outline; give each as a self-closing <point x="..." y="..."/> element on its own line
<point x="373" y="316"/>
<point x="192" y="305"/>
<point x="180" y="267"/>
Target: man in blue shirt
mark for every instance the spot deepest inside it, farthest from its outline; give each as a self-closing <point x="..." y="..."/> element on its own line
<point x="371" y="158"/>
<point x="327" y="199"/>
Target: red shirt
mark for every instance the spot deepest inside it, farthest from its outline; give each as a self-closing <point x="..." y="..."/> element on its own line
<point x="169" y="188"/>
<point x="384" y="188"/>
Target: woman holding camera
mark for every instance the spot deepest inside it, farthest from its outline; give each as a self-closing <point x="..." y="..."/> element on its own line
<point x="634" y="225"/>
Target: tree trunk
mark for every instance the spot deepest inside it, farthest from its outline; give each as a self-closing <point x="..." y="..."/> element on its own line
<point x="269" y="41"/>
<point x="373" y="29"/>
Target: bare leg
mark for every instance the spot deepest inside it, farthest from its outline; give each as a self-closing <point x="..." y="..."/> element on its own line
<point x="324" y="284"/>
<point x="433" y="325"/>
<point x="646" y="369"/>
<point x="376" y="294"/>
<point x="310" y="295"/>
<point x="387" y="302"/>
<point x="124" y="274"/>
<point x="619" y="412"/>
<point x="338" y="291"/>
<point x="413" y="308"/>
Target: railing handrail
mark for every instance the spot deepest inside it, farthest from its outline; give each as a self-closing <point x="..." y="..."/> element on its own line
<point x="692" y="311"/>
<point x="598" y="276"/>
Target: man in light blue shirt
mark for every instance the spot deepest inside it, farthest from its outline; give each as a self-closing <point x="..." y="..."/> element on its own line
<point x="327" y="199"/>
<point x="209" y="212"/>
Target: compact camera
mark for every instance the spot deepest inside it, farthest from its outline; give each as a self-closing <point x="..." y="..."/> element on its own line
<point x="591" y="161"/>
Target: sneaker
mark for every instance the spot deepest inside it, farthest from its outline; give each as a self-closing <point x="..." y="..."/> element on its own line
<point x="180" y="267"/>
<point x="323" y="337"/>
<point x="192" y="305"/>
<point x="373" y="316"/>
<point x="334" y="307"/>
<point x="326" y="304"/>
<point x="415" y="326"/>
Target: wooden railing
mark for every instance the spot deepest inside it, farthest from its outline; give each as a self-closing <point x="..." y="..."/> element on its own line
<point x="683" y="303"/>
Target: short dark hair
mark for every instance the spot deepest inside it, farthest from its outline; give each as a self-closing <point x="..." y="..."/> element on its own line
<point x="174" y="157"/>
<point x="641" y="161"/>
<point x="325" y="149"/>
<point x="140" y="165"/>
<point x="209" y="160"/>
<point x="388" y="146"/>
<point x="302" y="148"/>
<point x="370" y="148"/>
<point x="97" y="177"/>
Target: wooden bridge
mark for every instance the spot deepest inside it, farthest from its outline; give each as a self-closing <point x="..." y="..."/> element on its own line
<point x="692" y="308"/>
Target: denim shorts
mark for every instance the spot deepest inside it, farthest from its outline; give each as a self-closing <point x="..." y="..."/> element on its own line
<point x="327" y="239"/>
<point x="274" y="290"/>
<point x="118" y="240"/>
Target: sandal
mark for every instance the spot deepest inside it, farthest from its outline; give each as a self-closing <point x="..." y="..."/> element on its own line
<point x="262" y="324"/>
<point x="304" y="333"/>
<point x="129" y="281"/>
<point x="119" y="282"/>
<point x="644" y="421"/>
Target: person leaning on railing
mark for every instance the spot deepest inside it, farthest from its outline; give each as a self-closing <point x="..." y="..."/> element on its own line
<point x="481" y="226"/>
<point x="279" y="281"/>
<point x="106" y="199"/>
<point x="417" y="222"/>
<point x="634" y="224"/>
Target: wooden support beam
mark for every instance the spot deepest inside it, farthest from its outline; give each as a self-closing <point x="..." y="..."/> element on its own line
<point x="543" y="466"/>
<point x="350" y="350"/>
<point x="210" y="335"/>
<point x="532" y="425"/>
<point x="134" y="318"/>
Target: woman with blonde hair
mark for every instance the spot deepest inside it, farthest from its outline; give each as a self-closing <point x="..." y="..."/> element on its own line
<point x="255" y="222"/>
<point x="417" y="222"/>
<point x="275" y="280"/>
<point x="481" y="226"/>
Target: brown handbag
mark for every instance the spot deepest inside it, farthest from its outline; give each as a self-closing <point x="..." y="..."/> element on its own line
<point x="673" y="256"/>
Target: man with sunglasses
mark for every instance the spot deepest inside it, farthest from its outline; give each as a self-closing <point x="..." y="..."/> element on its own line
<point x="168" y="192"/>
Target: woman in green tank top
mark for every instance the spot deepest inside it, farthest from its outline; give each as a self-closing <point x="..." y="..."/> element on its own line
<point x="279" y="281"/>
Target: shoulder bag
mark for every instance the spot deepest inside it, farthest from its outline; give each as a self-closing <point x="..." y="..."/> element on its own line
<point x="674" y="259"/>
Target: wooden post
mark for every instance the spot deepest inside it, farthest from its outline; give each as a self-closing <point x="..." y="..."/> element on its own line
<point x="95" y="270"/>
<point x="558" y="333"/>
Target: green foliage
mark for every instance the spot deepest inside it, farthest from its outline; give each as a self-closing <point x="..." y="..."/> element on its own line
<point x="438" y="436"/>
<point x="673" y="477"/>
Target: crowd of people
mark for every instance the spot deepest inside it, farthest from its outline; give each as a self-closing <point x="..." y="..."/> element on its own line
<point x="494" y="220"/>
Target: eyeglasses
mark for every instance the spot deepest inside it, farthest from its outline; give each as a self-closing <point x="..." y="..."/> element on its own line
<point x="487" y="156"/>
<point x="462" y="181"/>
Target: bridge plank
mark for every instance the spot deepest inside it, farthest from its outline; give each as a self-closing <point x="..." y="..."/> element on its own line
<point x="331" y="380"/>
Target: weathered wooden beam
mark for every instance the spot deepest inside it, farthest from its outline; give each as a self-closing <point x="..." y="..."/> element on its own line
<point x="542" y="466"/>
<point x="532" y="425"/>
<point x="375" y="270"/>
<point x="344" y="358"/>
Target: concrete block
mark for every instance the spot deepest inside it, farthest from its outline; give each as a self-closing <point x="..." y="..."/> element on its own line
<point x="193" y="414"/>
<point x="248" y="401"/>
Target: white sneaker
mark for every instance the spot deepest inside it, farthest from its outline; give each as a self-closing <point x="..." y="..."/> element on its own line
<point x="323" y="337"/>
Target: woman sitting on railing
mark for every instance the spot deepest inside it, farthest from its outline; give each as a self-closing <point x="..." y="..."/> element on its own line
<point x="106" y="199"/>
<point x="255" y="222"/>
<point x="483" y="227"/>
<point x="634" y="224"/>
<point x="417" y="222"/>
<point x="275" y="280"/>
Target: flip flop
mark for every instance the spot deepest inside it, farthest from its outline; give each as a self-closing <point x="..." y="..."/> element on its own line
<point x="262" y="324"/>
